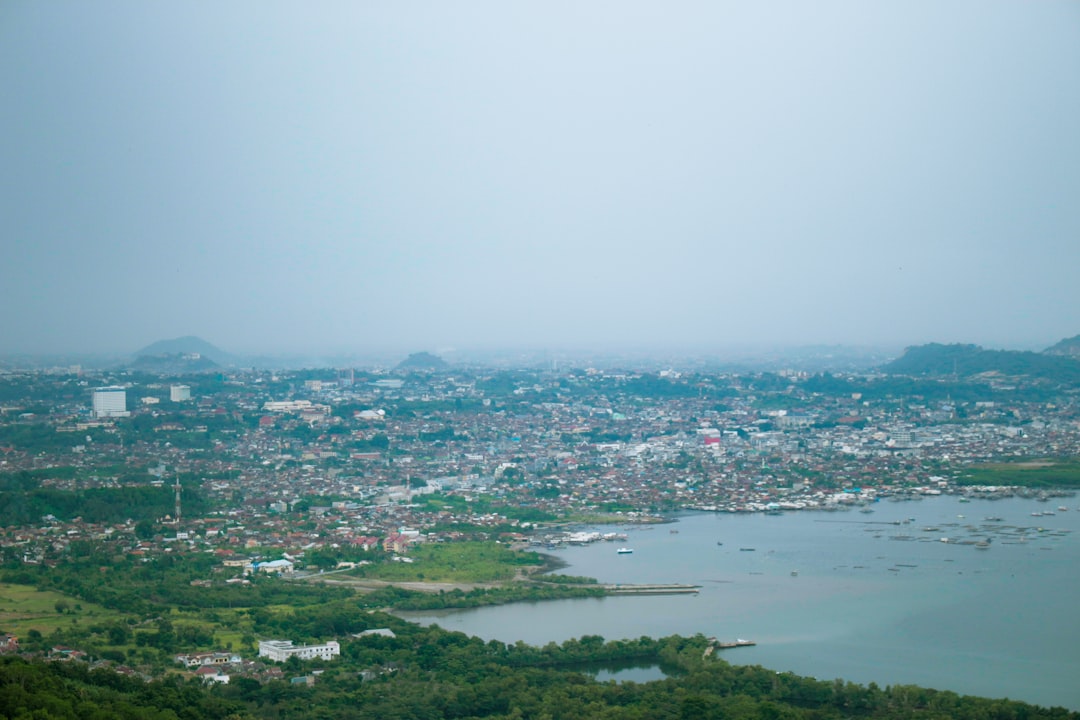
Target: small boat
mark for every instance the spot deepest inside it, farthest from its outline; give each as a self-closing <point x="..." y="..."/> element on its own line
<point x="746" y="549"/>
<point x="719" y="543"/>
<point x="624" y="551"/>
<point x="794" y="573"/>
<point x="983" y="544"/>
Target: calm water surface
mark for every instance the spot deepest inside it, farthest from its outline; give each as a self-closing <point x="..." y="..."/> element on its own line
<point x="877" y="596"/>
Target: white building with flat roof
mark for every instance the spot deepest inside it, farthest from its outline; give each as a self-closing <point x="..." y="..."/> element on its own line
<point x="179" y="393"/>
<point x="282" y="650"/>
<point x="110" y="402"/>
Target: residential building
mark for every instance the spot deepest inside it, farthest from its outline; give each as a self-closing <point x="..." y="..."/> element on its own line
<point x="274" y="566"/>
<point x="282" y="650"/>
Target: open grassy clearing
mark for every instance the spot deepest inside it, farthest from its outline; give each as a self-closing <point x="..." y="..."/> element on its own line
<point x="1034" y="474"/>
<point x="470" y="562"/>
<point x="24" y="608"/>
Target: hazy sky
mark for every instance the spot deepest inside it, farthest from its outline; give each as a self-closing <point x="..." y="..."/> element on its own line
<point x="347" y="176"/>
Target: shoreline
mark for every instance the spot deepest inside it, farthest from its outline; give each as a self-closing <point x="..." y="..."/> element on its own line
<point x="524" y="576"/>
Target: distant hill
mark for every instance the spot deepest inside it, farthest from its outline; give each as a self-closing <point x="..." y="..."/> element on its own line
<point x="1069" y="347"/>
<point x="189" y="345"/>
<point x="173" y="363"/>
<point x="423" y="361"/>
<point x="968" y="360"/>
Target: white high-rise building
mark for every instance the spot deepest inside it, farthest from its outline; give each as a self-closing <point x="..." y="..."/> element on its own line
<point x="110" y="402"/>
<point x="179" y="393"/>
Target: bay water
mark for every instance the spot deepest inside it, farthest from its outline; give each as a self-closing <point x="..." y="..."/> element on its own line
<point x="900" y="595"/>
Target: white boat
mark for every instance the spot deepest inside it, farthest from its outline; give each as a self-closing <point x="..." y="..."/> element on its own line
<point x="624" y="551"/>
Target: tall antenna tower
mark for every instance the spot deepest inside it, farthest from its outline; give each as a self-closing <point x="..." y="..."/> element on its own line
<point x="177" y="488"/>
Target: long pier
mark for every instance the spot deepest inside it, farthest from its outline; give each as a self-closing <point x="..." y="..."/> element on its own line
<point x="652" y="589"/>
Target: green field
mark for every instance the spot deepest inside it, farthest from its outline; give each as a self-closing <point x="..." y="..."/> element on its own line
<point x="24" y="608"/>
<point x="465" y="562"/>
<point x="1034" y="474"/>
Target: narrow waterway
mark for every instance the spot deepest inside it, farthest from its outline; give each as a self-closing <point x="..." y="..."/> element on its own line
<point x="864" y="596"/>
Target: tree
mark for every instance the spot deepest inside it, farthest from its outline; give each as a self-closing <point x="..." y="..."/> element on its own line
<point x="119" y="634"/>
<point x="145" y="529"/>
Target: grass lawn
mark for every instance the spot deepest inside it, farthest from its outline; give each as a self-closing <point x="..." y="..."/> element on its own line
<point x="24" y="608"/>
<point x="1042" y="474"/>
<point x="468" y="562"/>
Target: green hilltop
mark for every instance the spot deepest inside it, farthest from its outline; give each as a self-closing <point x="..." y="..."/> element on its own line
<point x="187" y="345"/>
<point x="1069" y="347"/>
<point x="959" y="360"/>
<point x="423" y="361"/>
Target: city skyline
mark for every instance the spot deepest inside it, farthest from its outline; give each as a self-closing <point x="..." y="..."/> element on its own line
<point x="352" y="179"/>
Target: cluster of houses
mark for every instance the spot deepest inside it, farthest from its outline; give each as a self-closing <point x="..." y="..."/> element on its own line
<point x="215" y="667"/>
<point x="210" y="666"/>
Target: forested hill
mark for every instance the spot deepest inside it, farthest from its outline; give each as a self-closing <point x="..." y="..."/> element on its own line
<point x="173" y="364"/>
<point x="430" y="673"/>
<point x="966" y="360"/>
<point x="1068" y="346"/>
<point x="423" y="361"/>
<point x="188" y="345"/>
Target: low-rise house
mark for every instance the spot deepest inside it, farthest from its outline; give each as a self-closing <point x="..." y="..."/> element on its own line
<point x="211" y="674"/>
<point x="365" y="543"/>
<point x="396" y="542"/>
<point x="381" y="632"/>
<point x="238" y="561"/>
<point x="275" y="566"/>
<point x="63" y="652"/>
<point x="207" y="659"/>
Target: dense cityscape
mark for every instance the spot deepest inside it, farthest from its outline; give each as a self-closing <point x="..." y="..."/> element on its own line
<point x="578" y="360"/>
<point x="256" y="480"/>
<point x="301" y="460"/>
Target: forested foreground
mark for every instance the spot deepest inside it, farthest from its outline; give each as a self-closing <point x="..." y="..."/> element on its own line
<point x="140" y="614"/>
<point x="431" y="673"/>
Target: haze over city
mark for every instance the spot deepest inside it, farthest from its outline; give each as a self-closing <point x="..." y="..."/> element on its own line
<point x="352" y="176"/>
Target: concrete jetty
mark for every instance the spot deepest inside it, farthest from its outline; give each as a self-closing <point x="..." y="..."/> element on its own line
<point x="652" y="589"/>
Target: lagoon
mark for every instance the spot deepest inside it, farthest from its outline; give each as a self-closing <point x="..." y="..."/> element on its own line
<point x="867" y="597"/>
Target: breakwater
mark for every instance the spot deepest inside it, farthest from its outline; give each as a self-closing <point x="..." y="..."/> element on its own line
<point x="652" y="589"/>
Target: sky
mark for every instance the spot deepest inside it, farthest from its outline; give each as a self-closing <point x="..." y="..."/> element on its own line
<point x="354" y="176"/>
